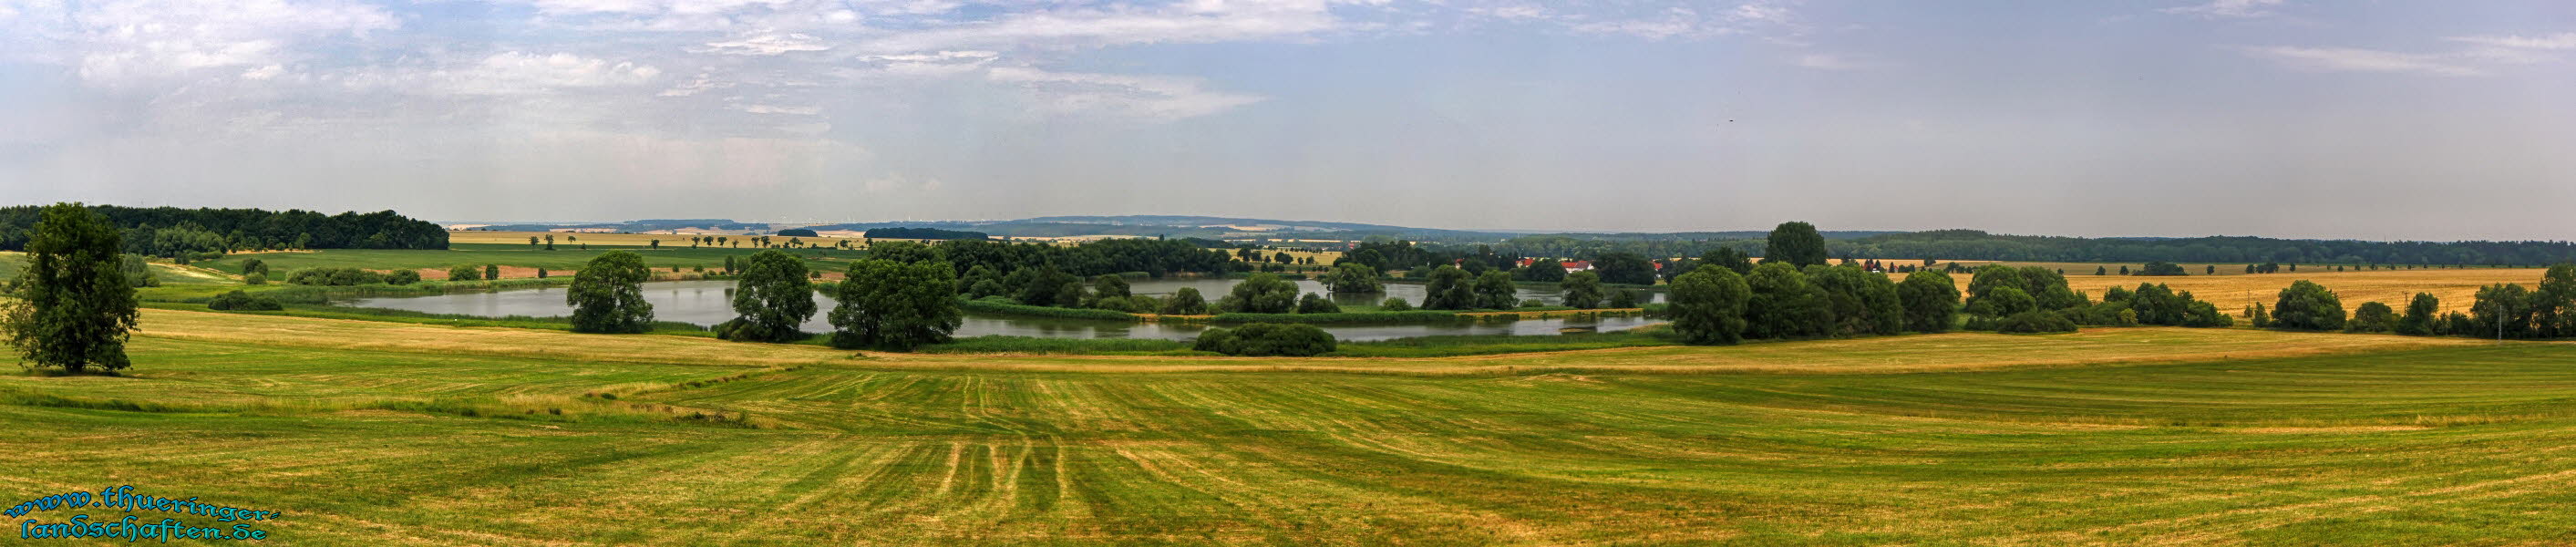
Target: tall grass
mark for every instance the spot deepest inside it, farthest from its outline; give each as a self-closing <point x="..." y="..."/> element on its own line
<point x="1062" y="346"/>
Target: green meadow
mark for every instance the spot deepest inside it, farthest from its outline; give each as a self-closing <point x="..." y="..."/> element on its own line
<point x="373" y="433"/>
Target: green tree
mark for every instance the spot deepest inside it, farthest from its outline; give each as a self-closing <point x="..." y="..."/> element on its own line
<point x="1624" y="268"/>
<point x="1729" y="258"/>
<point x="1796" y="243"/>
<point x="2502" y="311"/>
<point x="1185" y="301"/>
<point x="1861" y="302"/>
<point x="2306" y="305"/>
<point x="1708" y="306"/>
<point x="1542" y="270"/>
<point x="902" y="251"/>
<point x="464" y="272"/>
<point x="253" y="266"/>
<point x="1583" y="289"/>
<point x="1353" y="277"/>
<point x="491" y="271"/>
<point x="896" y="306"/>
<point x="2553" y="305"/>
<point x="1930" y="299"/>
<point x="1784" y="304"/>
<point x="1449" y="288"/>
<point x="1494" y="290"/>
<point x="771" y="298"/>
<point x="607" y="295"/>
<point x="1395" y="304"/>
<point x="1625" y="298"/>
<point x="71" y="305"/>
<point x="2372" y="317"/>
<point x="1261" y="293"/>
<point x="1986" y="280"/>
<point x="2421" y="317"/>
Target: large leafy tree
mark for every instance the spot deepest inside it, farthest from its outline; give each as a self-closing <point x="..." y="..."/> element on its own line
<point x="2553" y="306"/>
<point x="1261" y="293"/>
<point x="607" y="295"/>
<point x="1583" y="289"/>
<point x="1449" y="288"/>
<point x="1930" y="299"/>
<point x="1353" y="277"/>
<point x="2420" y="318"/>
<point x="1542" y="270"/>
<point x="772" y="297"/>
<point x="72" y="306"/>
<point x="1708" y="306"/>
<point x="1796" y="243"/>
<point x="1861" y="302"/>
<point x="893" y="305"/>
<point x="1494" y="291"/>
<point x="1784" y="304"/>
<point x="2306" y="305"/>
<point x="1624" y="267"/>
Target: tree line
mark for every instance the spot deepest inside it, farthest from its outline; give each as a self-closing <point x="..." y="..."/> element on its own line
<point x="176" y="232"/>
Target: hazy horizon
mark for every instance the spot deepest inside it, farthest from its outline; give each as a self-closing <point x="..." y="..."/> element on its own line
<point x="2172" y="118"/>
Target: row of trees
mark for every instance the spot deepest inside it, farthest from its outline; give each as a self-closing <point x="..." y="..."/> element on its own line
<point x="881" y="303"/>
<point x="2502" y="311"/>
<point x="174" y="232"/>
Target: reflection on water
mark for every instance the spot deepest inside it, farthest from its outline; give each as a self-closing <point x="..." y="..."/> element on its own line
<point x="711" y="302"/>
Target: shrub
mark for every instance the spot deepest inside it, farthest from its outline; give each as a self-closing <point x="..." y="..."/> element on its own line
<point x="1316" y="303"/>
<point x="1395" y="304"/>
<point x="1533" y="303"/>
<point x="241" y="301"/>
<point x="338" y="277"/>
<point x="1626" y="298"/>
<point x="255" y="278"/>
<point x="2034" y="322"/>
<point x="464" y="273"/>
<point x="402" y="277"/>
<point x="1267" y="339"/>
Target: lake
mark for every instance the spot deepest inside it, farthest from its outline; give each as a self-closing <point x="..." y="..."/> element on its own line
<point x="711" y="302"/>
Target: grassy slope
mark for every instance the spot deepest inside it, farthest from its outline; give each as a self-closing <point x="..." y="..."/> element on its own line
<point x="2346" y="439"/>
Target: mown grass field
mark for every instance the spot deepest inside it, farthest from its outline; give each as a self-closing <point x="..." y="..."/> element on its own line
<point x="2106" y="437"/>
<point x="2458" y="288"/>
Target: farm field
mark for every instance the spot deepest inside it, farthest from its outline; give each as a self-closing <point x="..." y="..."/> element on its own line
<point x="2457" y="288"/>
<point x="370" y="433"/>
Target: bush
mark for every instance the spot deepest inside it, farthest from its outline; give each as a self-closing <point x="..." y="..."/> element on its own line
<point x="1533" y="303"/>
<point x="1267" y="339"/>
<point x="402" y="277"/>
<point x="1185" y="301"/>
<point x="2034" y="322"/>
<point x="241" y="301"/>
<point x="337" y="277"/>
<point x="465" y="273"/>
<point x="1316" y="303"/>
<point x="1395" y="304"/>
<point x="1004" y="306"/>
<point x="1384" y="317"/>
<point x="255" y="278"/>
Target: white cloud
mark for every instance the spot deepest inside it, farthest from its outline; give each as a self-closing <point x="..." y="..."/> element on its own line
<point x="2227" y="8"/>
<point x="766" y="44"/>
<point x="1151" y="98"/>
<point x="511" y="73"/>
<point x="127" y="41"/>
<point x="2563" y="40"/>
<point x="774" y="109"/>
<point x="1196" y="21"/>
<point x="2364" y="60"/>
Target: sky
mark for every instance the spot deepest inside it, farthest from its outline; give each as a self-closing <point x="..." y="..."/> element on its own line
<point x="2285" y="118"/>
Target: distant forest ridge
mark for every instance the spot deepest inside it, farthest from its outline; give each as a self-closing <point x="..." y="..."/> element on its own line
<point x="172" y="231"/>
<point x="1979" y="245"/>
